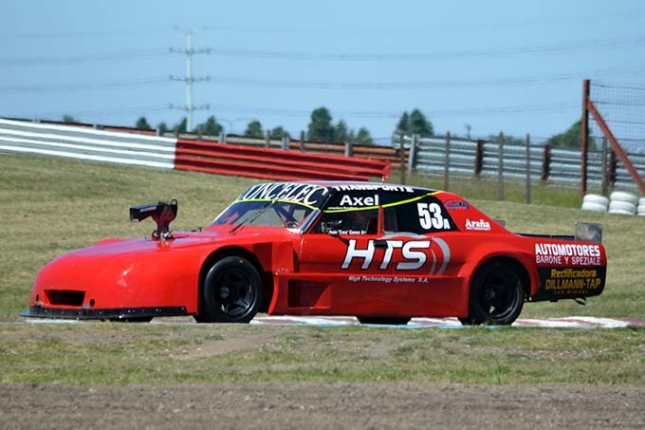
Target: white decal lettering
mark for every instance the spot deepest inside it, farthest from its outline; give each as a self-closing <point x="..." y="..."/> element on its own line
<point x="295" y="192"/>
<point x="477" y="225"/>
<point x="575" y="254"/>
<point x="365" y="254"/>
<point x="417" y="258"/>
<point x="412" y="256"/>
<point x="391" y="245"/>
<point x="347" y="200"/>
<point x="373" y="187"/>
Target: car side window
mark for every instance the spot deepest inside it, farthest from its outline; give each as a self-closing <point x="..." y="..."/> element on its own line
<point x="357" y="212"/>
<point x="354" y="212"/>
<point x="348" y="222"/>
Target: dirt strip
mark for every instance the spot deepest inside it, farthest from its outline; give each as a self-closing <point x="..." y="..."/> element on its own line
<point x="321" y="406"/>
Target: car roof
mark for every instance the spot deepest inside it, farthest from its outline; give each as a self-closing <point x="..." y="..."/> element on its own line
<point x="316" y="193"/>
<point x="366" y="185"/>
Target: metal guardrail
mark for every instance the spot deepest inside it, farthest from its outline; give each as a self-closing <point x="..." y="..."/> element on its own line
<point x="86" y="144"/>
<point x="555" y="166"/>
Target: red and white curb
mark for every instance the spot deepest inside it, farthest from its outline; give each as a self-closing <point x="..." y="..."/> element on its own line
<point x="568" y="322"/>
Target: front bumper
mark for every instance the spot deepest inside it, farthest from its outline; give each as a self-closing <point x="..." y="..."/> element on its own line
<point x="104" y="314"/>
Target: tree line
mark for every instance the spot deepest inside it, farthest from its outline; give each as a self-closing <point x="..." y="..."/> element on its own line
<point x="321" y="128"/>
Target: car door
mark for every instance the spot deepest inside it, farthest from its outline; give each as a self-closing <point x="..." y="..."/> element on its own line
<point x="339" y="254"/>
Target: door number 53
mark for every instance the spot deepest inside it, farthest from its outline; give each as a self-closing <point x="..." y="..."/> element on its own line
<point x="430" y="217"/>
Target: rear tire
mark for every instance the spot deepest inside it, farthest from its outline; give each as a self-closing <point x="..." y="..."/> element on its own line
<point x="231" y="292"/>
<point x="496" y="295"/>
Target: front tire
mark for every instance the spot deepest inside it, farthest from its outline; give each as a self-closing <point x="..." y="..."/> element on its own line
<point x="231" y="292"/>
<point x="496" y="295"/>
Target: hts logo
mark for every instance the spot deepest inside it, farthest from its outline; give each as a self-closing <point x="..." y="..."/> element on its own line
<point x="412" y="254"/>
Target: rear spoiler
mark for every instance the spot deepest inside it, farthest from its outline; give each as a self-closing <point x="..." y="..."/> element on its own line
<point x="583" y="231"/>
<point x="588" y="231"/>
<point x="161" y="212"/>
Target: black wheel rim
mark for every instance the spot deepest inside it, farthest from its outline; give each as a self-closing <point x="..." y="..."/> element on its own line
<point x="498" y="297"/>
<point x="234" y="293"/>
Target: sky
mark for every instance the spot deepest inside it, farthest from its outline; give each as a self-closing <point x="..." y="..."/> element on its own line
<point x="472" y="67"/>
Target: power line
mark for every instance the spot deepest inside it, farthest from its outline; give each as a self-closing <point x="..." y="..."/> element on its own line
<point x="292" y="84"/>
<point x="585" y="46"/>
<point x="86" y="58"/>
<point x="590" y="45"/>
<point x="80" y="86"/>
<point x="82" y="34"/>
<point x="121" y="111"/>
<point x="521" y="109"/>
<point x="316" y="28"/>
<point x="416" y="85"/>
<point x="318" y="85"/>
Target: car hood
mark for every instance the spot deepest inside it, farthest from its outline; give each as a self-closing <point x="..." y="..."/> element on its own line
<point x="210" y="238"/>
<point x="184" y="253"/>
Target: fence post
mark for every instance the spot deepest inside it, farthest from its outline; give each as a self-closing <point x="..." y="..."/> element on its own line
<point x="546" y="163"/>
<point x="446" y="164"/>
<point x="613" y="163"/>
<point x="349" y="149"/>
<point x="414" y="147"/>
<point x="285" y="142"/>
<point x="479" y="158"/>
<point x="528" y="169"/>
<point x="603" y="168"/>
<point x="222" y="137"/>
<point x="402" y="156"/>
<point x="267" y="139"/>
<point x="584" y="135"/>
<point x="500" y="167"/>
<point x="302" y="140"/>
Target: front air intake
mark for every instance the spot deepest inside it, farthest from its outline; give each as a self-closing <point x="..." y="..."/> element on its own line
<point x="65" y="298"/>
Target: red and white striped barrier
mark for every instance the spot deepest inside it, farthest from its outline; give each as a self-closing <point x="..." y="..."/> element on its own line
<point x="54" y="140"/>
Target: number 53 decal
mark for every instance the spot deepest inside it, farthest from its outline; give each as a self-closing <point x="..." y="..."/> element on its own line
<point x="430" y="217"/>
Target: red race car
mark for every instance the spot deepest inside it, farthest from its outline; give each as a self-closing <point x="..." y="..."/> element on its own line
<point x="384" y="253"/>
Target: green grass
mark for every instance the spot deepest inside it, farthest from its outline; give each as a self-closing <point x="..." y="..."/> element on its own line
<point x="50" y="206"/>
<point x="113" y="353"/>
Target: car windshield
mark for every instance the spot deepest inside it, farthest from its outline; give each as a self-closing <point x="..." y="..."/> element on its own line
<point x="265" y="213"/>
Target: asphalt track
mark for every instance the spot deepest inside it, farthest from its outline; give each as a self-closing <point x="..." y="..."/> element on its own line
<point x="415" y="323"/>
